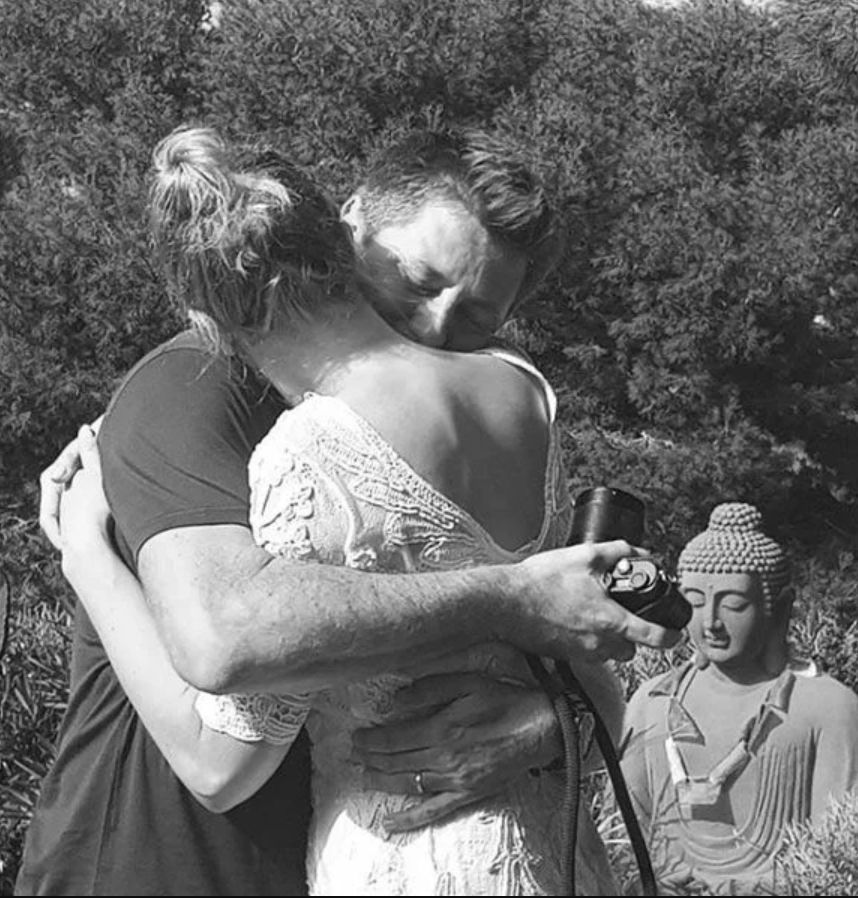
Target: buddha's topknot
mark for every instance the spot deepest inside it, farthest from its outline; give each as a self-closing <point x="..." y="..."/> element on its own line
<point x="734" y="543"/>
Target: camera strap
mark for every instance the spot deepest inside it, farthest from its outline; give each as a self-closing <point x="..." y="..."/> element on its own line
<point x="564" y="700"/>
<point x="567" y="713"/>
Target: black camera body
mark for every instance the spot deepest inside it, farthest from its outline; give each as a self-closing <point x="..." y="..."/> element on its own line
<point x="637" y="582"/>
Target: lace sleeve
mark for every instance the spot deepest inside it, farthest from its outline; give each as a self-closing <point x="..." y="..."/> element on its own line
<point x="282" y="497"/>
<point x="254" y="717"/>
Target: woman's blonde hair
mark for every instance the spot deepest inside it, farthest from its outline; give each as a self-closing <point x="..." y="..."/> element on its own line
<point x="245" y="239"/>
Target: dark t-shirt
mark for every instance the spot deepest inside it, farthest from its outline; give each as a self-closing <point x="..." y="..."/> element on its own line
<point x="112" y="818"/>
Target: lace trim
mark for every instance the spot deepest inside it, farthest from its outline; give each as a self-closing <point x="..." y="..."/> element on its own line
<point x="254" y="717"/>
<point x="384" y="478"/>
<point x="281" y="503"/>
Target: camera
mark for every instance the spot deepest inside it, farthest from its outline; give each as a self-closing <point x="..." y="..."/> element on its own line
<point x="637" y="582"/>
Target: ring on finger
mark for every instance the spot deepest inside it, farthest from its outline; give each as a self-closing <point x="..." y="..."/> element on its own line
<point x="418" y="783"/>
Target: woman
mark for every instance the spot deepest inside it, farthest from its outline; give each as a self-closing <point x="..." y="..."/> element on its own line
<point x="397" y="457"/>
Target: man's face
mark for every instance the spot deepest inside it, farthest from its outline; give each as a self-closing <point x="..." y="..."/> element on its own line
<point x="439" y="278"/>
<point x="728" y="621"/>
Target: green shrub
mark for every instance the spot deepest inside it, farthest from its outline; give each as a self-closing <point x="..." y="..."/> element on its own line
<point x="709" y="195"/>
<point x="822" y="858"/>
<point x="87" y="88"/>
<point x="325" y="80"/>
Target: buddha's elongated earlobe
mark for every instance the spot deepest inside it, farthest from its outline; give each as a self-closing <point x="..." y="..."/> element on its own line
<point x="776" y="655"/>
<point x="701" y="659"/>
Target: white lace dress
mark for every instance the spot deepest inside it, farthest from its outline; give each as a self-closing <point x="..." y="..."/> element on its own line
<point x="326" y="487"/>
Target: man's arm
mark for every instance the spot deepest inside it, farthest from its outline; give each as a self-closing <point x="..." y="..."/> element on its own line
<point x="220" y="771"/>
<point x="175" y="445"/>
<point x="468" y="735"/>
<point x="235" y="619"/>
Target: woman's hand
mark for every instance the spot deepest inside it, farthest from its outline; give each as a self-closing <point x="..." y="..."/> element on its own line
<point x="52" y="485"/>
<point x="84" y="515"/>
<point x="467" y="735"/>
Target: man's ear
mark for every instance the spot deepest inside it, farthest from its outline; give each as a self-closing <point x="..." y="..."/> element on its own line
<point x="352" y="214"/>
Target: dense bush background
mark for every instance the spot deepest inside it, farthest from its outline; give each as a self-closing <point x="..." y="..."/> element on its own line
<point x="702" y="330"/>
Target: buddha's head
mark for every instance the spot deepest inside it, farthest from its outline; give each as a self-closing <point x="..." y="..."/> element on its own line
<point x="737" y="581"/>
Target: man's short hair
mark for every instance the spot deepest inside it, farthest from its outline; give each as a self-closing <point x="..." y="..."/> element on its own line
<point x="473" y="168"/>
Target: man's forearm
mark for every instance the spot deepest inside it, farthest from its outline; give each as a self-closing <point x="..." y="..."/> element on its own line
<point x="252" y="622"/>
<point x="348" y="624"/>
<point x="236" y="619"/>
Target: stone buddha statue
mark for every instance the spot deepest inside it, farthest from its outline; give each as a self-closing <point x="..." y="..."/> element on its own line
<point x="722" y="754"/>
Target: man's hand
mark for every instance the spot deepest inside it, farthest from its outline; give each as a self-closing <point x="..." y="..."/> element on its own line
<point x="568" y="611"/>
<point x="52" y="484"/>
<point x="467" y="735"/>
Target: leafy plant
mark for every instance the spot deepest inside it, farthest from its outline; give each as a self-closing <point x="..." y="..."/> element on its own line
<point x="821" y="858"/>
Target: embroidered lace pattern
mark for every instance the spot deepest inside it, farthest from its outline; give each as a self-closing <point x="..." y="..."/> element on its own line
<point x="252" y="718"/>
<point x="326" y="487"/>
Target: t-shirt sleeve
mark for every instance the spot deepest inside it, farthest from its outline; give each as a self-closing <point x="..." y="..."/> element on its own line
<point x="175" y="444"/>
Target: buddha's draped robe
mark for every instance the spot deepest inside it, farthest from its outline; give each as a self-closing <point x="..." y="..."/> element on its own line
<point x="804" y="753"/>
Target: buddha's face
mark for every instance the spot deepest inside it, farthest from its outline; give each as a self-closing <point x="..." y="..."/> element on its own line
<point x="728" y="622"/>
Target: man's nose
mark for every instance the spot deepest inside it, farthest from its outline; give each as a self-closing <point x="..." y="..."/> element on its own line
<point x="432" y="319"/>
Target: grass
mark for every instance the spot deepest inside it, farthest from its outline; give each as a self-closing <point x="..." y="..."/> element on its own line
<point x="33" y="678"/>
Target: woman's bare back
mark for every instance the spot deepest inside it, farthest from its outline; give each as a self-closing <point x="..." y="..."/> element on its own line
<point x="475" y="426"/>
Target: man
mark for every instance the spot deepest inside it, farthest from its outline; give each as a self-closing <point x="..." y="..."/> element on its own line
<point x="429" y="224"/>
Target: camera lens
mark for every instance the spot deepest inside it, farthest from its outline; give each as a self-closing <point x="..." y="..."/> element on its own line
<point x="604" y="512"/>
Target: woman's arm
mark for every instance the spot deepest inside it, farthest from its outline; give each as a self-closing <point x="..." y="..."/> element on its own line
<point x="219" y="770"/>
